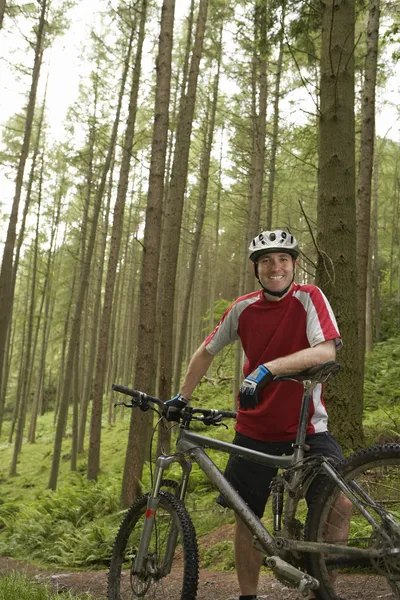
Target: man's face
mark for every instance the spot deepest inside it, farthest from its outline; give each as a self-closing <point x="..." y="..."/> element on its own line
<point x="276" y="270"/>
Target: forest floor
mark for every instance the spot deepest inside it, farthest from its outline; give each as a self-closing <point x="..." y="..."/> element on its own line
<point x="213" y="585"/>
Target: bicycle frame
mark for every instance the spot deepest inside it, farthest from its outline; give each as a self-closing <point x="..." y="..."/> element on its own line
<point x="192" y="444"/>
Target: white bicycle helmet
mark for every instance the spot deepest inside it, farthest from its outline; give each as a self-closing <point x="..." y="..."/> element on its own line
<point x="273" y="241"/>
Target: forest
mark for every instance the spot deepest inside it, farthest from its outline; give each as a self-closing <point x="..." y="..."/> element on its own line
<point x="194" y="125"/>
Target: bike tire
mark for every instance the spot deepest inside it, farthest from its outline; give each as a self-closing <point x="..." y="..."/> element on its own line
<point x="181" y="583"/>
<point x="377" y="471"/>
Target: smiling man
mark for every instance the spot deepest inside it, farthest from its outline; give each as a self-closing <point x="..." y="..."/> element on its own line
<point x="284" y="327"/>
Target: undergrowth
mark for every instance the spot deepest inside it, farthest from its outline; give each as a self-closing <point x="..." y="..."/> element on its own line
<point x="75" y="526"/>
<point x="16" y="586"/>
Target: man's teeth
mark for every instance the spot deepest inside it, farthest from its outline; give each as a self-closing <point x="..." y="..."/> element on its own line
<point x="279" y="277"/>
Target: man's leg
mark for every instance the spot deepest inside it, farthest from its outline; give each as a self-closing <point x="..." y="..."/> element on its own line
<point x="248" y="560"/>
<point x="338" y="523"/>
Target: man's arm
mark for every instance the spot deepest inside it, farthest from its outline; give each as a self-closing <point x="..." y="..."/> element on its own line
<point x="198" y="367"/>
<point x="303" y="359"/>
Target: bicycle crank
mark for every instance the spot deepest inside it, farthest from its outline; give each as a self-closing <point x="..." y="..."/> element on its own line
<point x="291" y="576"/>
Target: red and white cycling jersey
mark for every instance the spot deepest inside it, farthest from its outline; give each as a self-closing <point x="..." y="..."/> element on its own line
<point x="269" y="330"/>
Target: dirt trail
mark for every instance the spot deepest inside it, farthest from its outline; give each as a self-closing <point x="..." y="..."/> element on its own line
<point x="213" y="585"/>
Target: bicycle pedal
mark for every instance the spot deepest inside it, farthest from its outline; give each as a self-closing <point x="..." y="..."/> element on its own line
<point x="295" y="578"/>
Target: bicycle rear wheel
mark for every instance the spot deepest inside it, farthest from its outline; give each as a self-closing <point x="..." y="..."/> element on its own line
<point x="374" y="477"/>
<point x="158" y="580"/>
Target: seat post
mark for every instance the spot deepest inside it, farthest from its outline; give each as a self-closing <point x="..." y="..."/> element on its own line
<point x="299" y="446"/>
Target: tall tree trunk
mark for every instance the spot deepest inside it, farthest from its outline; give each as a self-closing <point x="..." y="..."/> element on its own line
<point x="395" y="225"/>
<point x="46" y="320"/>
<point x="369" y="339"/>
<point x="365" y="170"/>
<point x="75" y="412"/>
<point x="199" y="220"/>
<point x="275" y="126"/>
<point x="21" y="375"/>
<point x="144" y="368"/>
<point x="61" y="370"/>
<point x="2" y="11"/>
<point x="215" y="249"/>
<point x="85" y="274"/>
<point x="87" y="392"/>
<point x="259" y="117"/>
<point x="174" y="208"/>
<point x="6" y="295"/>
<point x="376" y="266"/>
<point x="116" y="233"/>
<point x="28" y="347"/>
<point x="336" y="267"/>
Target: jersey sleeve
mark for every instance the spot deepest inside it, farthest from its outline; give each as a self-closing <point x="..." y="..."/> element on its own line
<point x="321" y="324"/>
<point x="225" y="332"/>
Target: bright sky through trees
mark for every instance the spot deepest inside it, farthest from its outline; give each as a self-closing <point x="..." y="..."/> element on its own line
<point x="65" y="67"/>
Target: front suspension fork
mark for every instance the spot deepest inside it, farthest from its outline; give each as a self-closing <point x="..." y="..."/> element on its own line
<point x="162" y="464"/>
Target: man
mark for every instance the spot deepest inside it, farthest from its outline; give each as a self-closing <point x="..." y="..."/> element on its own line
<point x="284" y="327"/>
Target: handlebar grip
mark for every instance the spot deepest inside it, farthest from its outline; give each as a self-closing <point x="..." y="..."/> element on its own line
<point x="214" y="412"/>
<point x="136" y="394"/>
<point x="123" y="389"/>
<point x="228" y="414"/>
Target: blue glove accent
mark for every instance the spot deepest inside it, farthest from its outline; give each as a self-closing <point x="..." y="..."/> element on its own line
<point x="250" y="389"/>
<point x="174" y="407"/>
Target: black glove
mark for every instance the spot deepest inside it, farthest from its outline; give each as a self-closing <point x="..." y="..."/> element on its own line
<point x="250" y="389"/>
<point x="174" y="407"/>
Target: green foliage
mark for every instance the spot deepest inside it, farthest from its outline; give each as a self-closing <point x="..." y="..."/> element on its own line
<point x="220" y="556"/>
<point x="382" y="392"/>
<point x="220" y="306"/>
<point x="16" y="586"/>
<point x="73" y="526"/>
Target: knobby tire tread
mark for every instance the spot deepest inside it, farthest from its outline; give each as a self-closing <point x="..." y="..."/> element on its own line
<point x="188" y="539"/>
<point x="361" y="459"/>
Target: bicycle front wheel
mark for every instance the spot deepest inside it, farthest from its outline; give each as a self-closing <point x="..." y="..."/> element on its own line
<point x="170" y="569"/>
<point x="373" y="474"/>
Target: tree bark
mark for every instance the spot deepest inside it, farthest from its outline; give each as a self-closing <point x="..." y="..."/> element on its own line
<point x="46" y="322"/>
<point x="87" y="392"/>
<point x="6" y="272"/>
<point x="116" y="233"/>
<point x="2" y="11"/>
<point x="144" y="368"/>
<point x="365" y="169"/>
<point x="174" y="209"/>
<point x="85" y="274"/>
<point x="199" y="220"/>
<point x="275" y="125"/>
<point x="336" y="267"/>
<point x="259" y="118"/>
<point x="28" y="346"/>
<point x="376" y="265"/>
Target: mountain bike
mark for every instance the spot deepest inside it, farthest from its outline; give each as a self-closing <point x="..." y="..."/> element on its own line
<point x="155" y="550"/>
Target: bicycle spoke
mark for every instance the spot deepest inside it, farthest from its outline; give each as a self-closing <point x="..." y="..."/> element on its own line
<point x="376" y="483"/>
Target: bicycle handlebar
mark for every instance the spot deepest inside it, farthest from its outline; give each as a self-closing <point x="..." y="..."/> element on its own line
<point x="122" y="389"/>
<point x="143" y="400"/>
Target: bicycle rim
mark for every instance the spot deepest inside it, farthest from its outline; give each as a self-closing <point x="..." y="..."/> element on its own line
<point x="374" y="474"/>
<point x="160" y="580"/>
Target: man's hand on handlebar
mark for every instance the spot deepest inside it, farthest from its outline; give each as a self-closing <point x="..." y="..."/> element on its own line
<point x="175" y="406"/>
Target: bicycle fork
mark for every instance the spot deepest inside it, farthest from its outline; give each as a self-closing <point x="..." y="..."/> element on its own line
<point x="142" y="566"/>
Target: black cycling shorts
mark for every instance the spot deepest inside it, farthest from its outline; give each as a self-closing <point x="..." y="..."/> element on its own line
<point x="253" y="481"/>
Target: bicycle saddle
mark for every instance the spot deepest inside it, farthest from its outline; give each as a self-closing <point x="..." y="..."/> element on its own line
<point x="318" y="373"/>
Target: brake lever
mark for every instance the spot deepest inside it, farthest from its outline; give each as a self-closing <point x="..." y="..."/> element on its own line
<point x="123" y="404"/>
<point x="134" y="402"/>
<point x="215" y="421"/>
